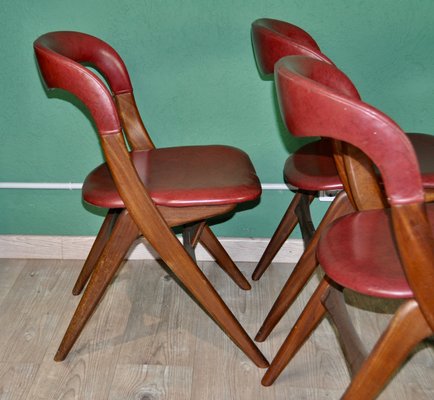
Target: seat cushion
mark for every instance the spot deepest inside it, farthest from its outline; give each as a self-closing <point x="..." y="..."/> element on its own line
<point x="424" y="146"/>
<point x="312" y="168"/>
<point x="181" y="177"/>
<point x="358" y="252"/>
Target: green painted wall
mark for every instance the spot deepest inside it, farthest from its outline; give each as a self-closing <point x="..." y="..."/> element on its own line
<point x="196" y="82"/>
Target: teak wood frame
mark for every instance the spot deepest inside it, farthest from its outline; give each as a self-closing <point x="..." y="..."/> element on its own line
<point x="58" y="55"/>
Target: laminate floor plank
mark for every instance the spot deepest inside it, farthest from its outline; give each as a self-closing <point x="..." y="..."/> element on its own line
<point x="9" y="271"/>
<point x="89" y="368"/>
<point x="148" y="340"/>
<point x="162" y="323"/>
<point x="31" y="310"/>
<point x="143" y="382"/>
<point x="16" y="380"/>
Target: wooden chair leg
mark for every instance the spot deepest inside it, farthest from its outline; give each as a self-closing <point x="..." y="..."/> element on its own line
<point x="303" y="270"/>
<point x="286" y="226"/>
<point x="207" y="297"/>
<point x="304" y="218"/>
<point x="123" y="235"/>
<point x="407" y="328"/>
<point x="309" y="319"/>
<point x="190" y="237"/>
<point x="201" y="232"/>
<point x="95" y="251"/>
<point x="196" y="283"/>
<point x="352" y="347"/>
<point x="215" y="248"/>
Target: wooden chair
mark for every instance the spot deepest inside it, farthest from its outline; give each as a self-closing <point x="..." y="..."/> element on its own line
<point x="312" y="168"/>
<point x="381" y="252"/>
<point x="147" y="190"/>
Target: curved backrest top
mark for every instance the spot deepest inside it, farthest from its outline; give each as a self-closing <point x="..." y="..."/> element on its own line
<point x="273" y="39"/>
<point x="317" y="99"/>
<point x="84" y="48"/>
<point x="59" y="55"/>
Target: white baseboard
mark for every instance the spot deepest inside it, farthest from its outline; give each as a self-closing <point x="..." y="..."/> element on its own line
<point x="77" y="247"/>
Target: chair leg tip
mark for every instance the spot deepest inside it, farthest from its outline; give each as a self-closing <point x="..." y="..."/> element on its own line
<point x="77" y="289"/>
<point x="260" y="361"/>
<point x="260" y="337"/>
<point x="59" y="357"/>
<point x="256" y="276"/>
<point x="267" y="380"/>
<point x="245" y="286"/>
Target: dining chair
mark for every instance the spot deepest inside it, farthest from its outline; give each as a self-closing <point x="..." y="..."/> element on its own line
<point x="385" y="252"/>
<point x="146" y="189"/>
<point x="313" y="168"/>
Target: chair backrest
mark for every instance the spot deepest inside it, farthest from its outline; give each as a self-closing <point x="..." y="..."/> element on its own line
<point x="273" y="39"/>
<point x="313" y="103"/>
<point x="58" y="55"/>
<point x="86" y="49"/>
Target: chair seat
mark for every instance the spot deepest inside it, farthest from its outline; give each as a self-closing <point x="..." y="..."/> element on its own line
<point x="182" y="177"/>
<point x="312" y="166"/>
<point x="358" y="252"/>
<point x="424" y="146"/>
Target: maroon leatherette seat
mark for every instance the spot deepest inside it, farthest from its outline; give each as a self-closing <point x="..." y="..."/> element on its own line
<point x="182" y="177"/>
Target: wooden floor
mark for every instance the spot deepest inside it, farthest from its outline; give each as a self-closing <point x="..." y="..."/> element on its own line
<point x="148" y="340"/>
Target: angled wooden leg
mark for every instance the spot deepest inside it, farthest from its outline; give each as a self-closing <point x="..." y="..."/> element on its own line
<point x="304" y="268"/>
<point x="214" y="247"/>
<point x="309" y="319"/>
<point x="407" y="328"/>
<point x="300" y="275"/>
<point x="96" y="250"/>
<point x="352" y="347"/>
<point x="123" y="235"/>
<point x="190" y="237"/>
<point x="196" y="283"/>
<point x="286" y="226"/>
<point x="207" y="297"/>
<point x="202" y="233"/>
<point x="304" y="218"/>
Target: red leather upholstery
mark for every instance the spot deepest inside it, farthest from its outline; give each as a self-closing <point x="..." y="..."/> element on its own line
<point x="358" y="252"/>
<point x="312" y="168"/>
<point x="64" y="73"/>
<point x="273" y="39"/>
<point x="82" y="47"/>
<point x="424" y="147"/>
<point x="181" y="177"/>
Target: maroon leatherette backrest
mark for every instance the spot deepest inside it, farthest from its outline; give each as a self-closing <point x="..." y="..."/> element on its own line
<point x="59" y="56"/>
<point x="273" y="39"/>
<point x="317" y="99"/>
